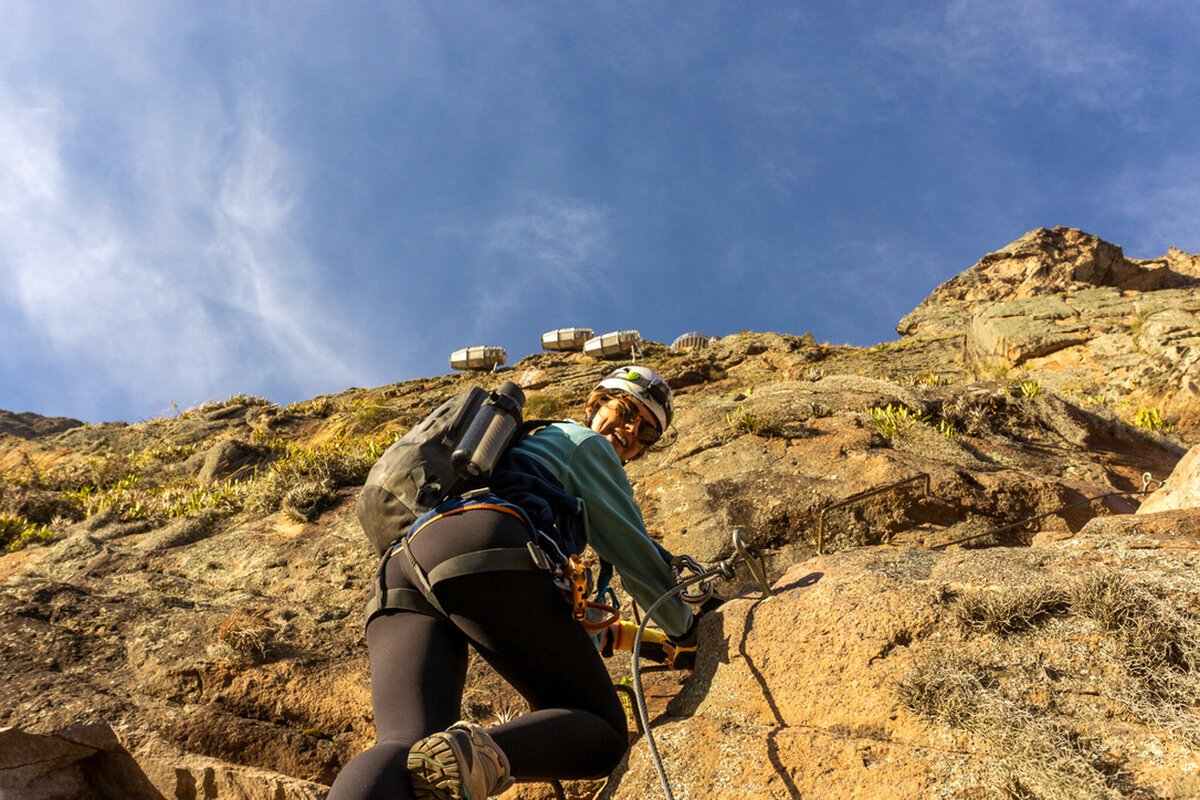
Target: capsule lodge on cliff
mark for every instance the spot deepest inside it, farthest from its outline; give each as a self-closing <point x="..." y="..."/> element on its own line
<point x="480" y="358"/>
<point x="566" y="338"/>
<point x="693" y="340"/>
<point x="610" y="345"/>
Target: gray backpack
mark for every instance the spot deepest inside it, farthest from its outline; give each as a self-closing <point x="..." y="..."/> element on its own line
<point x="456" y="445"/>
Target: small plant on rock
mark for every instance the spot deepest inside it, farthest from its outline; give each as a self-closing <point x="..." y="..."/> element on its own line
<point x="896" y="419"/>
<point x="1030" y="388"/>
<point x="929" y="378"/>
<point x="17" y="533"/>
<point x="1151" y="420"/>
<point x="744" y="421"/>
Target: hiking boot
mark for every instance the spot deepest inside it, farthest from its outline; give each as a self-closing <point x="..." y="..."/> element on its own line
<point x="460" y="763"/>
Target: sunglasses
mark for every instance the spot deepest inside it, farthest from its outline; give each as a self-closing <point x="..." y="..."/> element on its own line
<point x="647" y="433"/>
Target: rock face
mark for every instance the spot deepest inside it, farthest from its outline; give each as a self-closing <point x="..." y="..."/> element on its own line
<point x="1069" y="308"/>
<point x="906" y="673"/>
<point x="27" y="425"/>
<point x="967" y="606"/>
<point x="1181" y="490"/>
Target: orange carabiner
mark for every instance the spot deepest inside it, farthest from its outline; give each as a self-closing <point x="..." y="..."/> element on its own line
<point x="577" y="578"/>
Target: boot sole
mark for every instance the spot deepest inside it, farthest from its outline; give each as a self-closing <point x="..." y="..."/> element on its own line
<point x="434" y="771"/>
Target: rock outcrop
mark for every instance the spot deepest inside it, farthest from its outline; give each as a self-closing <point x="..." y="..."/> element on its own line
<point x="1181" y="490"/>
<point x="89" y="761"/>
<point x="966" y="607"/>
<point x="27" y="425"/>
<point x="1044" y="262"/>
<point x="1069" y="308"/>
<point x="907" y="673"/>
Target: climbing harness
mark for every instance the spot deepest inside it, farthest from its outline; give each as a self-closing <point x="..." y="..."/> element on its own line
<point x="540" y="553"/>
<point x="743" y="552"/>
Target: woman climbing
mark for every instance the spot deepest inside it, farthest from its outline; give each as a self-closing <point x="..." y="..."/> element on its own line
<point x="516" y="619"/>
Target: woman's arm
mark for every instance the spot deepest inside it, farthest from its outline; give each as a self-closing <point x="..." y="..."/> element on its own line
<point x="616" y="531"/>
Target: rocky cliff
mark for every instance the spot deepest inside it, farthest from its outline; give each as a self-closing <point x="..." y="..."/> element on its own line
<point x="965" y="604"/>
<point x="1070" y="307"/>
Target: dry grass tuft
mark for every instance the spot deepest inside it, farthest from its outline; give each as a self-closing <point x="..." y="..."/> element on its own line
<point x="305" y="501"/>
<point x="1010" y="611"/>
<point x="1183" y="413"/>
<point x="244" y="635"/>
<point x="1160" y="651"/>
<point x="942" y="689"/>
<point x="1030" y="755"/>
<point x="304" y="479"/>
<point x="1155" y="675"/>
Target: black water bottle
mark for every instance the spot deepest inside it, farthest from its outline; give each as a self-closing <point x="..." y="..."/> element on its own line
<point x="484" y="441"/>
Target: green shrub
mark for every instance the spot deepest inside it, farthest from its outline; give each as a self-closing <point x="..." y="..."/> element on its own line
<point x="328" y="466"/>
<point x="369" y="417"/>
<point x="895" y="420"/>
<point x="946" y="428"/>
<point x="16" y="533"/>
<point x="542" y="406"/>
<point x="170" y="454"/>
<point x="316" y="407"/>
<point x="1030" y="388"/>
<point x="1149" y="419"/>
<point x="929" y="378"/>
<point x="744" y="421"/>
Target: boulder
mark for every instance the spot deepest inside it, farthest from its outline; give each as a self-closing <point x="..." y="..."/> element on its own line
<point x="84" y="761"/>
<point x="89" y="762"/>
<point x="896" y="673"/>
<point x="1180" y="490"/>
<point x="231" y="459"/>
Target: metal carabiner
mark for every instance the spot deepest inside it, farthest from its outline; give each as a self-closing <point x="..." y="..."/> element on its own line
<point x="754" y="560"/>
<point x="706" y="588"/>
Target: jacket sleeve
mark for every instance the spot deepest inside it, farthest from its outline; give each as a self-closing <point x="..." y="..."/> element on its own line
<point x="614" y="528"/>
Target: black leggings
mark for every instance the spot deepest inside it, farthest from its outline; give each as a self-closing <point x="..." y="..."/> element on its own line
<point x="517" y="621"/>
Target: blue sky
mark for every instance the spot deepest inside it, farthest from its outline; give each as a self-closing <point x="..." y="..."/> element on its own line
<point x="288" y="199"/>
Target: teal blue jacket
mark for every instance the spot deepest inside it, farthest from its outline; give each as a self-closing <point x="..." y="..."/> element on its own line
<point x="587" y="466"/>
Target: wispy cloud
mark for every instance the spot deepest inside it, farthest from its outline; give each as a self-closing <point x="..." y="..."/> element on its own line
<point x="1025" y="48"/>
<point x="559" y="237"/>
<point x="176" y="274"/>
<point x="548" y="247"/>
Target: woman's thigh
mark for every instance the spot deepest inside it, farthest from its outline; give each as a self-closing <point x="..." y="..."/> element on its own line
<point x="418" y="668"/>
<point x="518" y="621"/>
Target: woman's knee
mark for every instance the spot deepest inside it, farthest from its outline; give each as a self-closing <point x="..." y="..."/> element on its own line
<point x="378" y="773"/>
<point x="608" y="752"/>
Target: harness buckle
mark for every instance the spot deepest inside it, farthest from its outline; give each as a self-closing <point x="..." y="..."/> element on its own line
<point x="540" y="559"/>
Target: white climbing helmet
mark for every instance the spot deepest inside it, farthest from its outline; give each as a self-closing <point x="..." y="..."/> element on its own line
<point x="647" y="386"/>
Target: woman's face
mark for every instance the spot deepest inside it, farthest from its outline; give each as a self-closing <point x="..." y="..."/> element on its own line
<point x="620" y="427"/>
